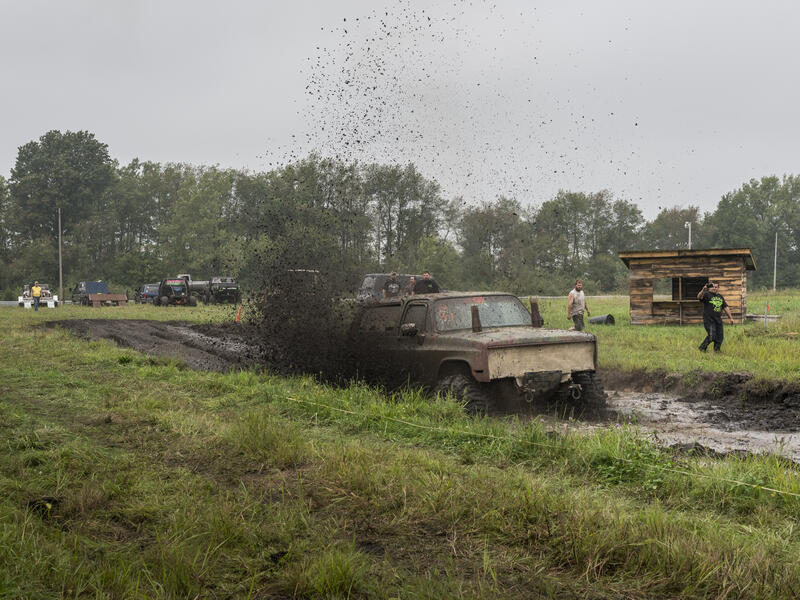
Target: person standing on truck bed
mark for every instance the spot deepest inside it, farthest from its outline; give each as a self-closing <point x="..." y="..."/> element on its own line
<point x="576" y="305"/>
<point x="391" y="289"/>
<point x="36" y="294"/>
<point x="713" y="305"/>
<point x="426" y="285"/>
<point x="409" y="291"/>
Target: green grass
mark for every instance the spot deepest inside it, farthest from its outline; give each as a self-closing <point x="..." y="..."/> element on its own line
<point x="124" y="477"/>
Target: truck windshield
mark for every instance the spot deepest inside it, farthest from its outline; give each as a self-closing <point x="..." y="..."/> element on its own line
<point x="495" y="311"/>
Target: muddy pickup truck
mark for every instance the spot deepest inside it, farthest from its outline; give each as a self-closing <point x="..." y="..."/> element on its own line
<point x="476" y="345"/>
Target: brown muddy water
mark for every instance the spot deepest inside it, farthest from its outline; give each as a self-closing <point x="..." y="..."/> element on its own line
<point x="721" y="427"/>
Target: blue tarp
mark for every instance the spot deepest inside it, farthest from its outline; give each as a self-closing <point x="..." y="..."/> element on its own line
<point x="96" y="287"/>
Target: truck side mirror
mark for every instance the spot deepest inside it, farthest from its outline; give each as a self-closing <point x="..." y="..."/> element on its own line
<point x="409" y="329"/>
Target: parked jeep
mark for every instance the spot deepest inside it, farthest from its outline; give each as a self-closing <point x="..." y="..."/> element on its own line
<point x="146" y="293"/>
<point x="223" y="289"/>
<point x="174" y="291"/>
<point x="474" y="345"/>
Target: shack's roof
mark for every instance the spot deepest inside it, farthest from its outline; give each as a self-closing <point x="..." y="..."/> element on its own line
<point x="666" y="255"/>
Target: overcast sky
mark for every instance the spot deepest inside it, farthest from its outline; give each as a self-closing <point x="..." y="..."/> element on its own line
<point x="662" y="103"/>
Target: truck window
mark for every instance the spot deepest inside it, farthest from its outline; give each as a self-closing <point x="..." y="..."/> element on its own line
<point x="380" y="319"/>
<point x="416" y="314"/>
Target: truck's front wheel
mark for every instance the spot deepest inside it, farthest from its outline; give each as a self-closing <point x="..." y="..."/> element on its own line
<point x="466" y="389"/>
<point x="164" y="301"/>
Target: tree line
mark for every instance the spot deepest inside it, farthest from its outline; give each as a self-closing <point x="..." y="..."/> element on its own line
<point x="136" y="223"/>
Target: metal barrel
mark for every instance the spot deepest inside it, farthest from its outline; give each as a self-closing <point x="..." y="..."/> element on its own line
<point x="602" y="320"/>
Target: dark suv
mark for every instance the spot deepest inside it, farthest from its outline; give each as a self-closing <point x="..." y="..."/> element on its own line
<point x="469" y="343"/>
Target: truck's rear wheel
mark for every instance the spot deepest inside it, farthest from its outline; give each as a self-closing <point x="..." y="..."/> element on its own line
<point x="466" y="389"/>
<point x="592" y="392"/>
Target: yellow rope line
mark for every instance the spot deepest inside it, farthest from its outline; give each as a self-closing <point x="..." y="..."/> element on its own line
<point x="531" y="443"/>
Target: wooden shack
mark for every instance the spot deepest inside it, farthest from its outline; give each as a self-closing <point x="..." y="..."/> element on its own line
<point x="685" y="272"/>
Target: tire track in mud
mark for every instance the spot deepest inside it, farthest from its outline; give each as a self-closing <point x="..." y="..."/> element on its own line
<point x="200" y="347"/>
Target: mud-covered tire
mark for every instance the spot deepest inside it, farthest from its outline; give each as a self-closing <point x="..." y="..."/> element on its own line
<point x="163" y="301"/>
<point x="467" y="390"/>
<point x="192" y="301"/>
<point x="592" y="392"/>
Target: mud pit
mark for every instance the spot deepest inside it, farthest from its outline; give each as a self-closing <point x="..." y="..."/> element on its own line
<point x="684" y="420"/>
<point x="712" y="427"/>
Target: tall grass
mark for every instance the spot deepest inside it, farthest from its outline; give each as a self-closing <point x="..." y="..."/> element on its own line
<point x="125" y="477"/>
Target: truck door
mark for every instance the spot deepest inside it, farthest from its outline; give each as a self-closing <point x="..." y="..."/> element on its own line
<point x="410" y="342"/>
<point x="373" y="342"/>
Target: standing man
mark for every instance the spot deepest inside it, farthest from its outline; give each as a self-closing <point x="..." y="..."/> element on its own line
<point x="409" y="291"/>
<point x="576" y="305"/>
<point x="713" y="305"/>
<point x="426" y="285"/>
<point x="391" y="288"/>
<point x="36" y="294"/>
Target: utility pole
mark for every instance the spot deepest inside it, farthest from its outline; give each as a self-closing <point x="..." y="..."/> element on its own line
<point x="688" y="224"/>
<point x="775" y="263"/>
<point x="60" y="272"/>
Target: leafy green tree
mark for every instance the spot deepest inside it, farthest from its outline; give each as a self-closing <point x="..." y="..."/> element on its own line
<point x="71" y="171"/>
<point x="668" y="230"/>
<point x="440" y="258"/>
<point x="492" y="237"/>
<point x="406" y="208"/>
<point x="196" y="232"/>
<point x="750" y="217"/>
<point x="622" y="231"/>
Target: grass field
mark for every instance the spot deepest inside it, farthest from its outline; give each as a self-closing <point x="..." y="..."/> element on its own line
<point x="123" y="476"/>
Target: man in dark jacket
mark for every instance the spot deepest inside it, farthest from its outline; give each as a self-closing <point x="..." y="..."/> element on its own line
<point x="713" y="305"/>
<point x="426" y="285"/>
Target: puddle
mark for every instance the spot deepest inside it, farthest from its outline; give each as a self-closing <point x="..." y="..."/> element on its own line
<point x="718" y="427"/>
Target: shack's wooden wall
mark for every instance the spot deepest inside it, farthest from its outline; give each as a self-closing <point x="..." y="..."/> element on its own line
<point x="728" y="271"/>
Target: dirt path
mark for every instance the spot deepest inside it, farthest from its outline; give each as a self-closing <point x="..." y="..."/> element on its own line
<point x="727" y="424"/>
<point x="201" y="347"/>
